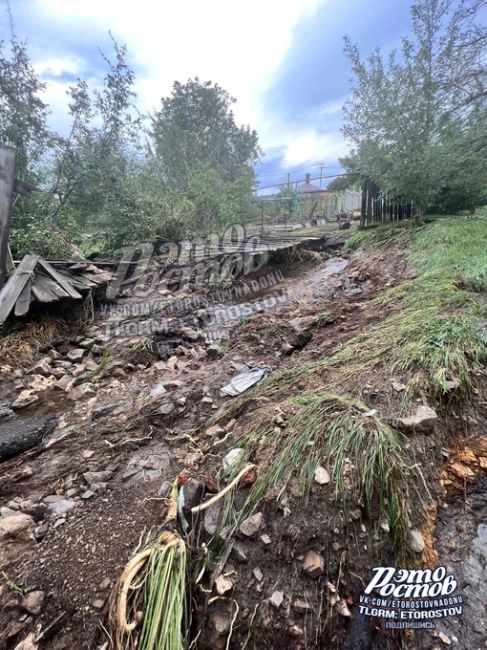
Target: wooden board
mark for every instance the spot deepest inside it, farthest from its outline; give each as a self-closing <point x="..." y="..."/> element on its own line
<point x="65" y="284"/>
<point x="15" y="285"/>
<point x="23" y="301"/>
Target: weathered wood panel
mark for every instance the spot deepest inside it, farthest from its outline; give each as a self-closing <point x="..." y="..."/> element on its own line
<point x="15" y="285"/>
<point x="7" y="179"/>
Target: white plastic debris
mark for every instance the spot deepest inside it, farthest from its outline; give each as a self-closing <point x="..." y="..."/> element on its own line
<point x="245" y="380"/>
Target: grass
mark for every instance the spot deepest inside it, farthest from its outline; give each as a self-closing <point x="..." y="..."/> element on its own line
<point x="432" y="333"/>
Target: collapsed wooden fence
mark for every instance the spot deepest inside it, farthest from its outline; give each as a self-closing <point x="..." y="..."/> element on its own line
<point x="379" y="208"/>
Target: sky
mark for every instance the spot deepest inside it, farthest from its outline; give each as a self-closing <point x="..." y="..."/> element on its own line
<point x="281" y="59"/>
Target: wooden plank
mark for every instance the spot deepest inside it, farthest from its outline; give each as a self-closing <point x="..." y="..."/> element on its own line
<point x="10" y="266"/>
<point x="49" y="285"/>
<point x="15" y="284"/>
<point x="23" y="301"/>
<point x="7" y="179"/>
<point x="65" y="284"/>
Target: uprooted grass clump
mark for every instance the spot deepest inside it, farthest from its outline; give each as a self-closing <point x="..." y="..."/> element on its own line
<point x="432" y="334"/>
<point x="366" y="457"/>
<point x="20" y="343"/>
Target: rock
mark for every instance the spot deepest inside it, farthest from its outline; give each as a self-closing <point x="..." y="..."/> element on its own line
<point x="223" y="585"/>
<point x="38" y="383"/>
<point x="171" y="384"/>
<point x="384" y="525"/>
<point x="7" y="512"/>
<point x="99" y="603"/>
<point x="296" y="631"/>
<point x="416" y="541"/>
<point x="65" y="382"/>
<point x="87" y="495"/>
<point x="157" y="391"/>
<point x="18" y="525"/>
<point x="398" y="386"/>
<point x="189" y="333"/>
<point x="215" y="430"/>
<point x="87" y="343"/>
<point x="259" y="576"/>
<point x="192" y="492"/>
<point x="105" y="584"/>
<point x="321" y="476"/>
<point x="213" y="351"/>
<point x="444" y="638"/>
<point x="97" y="349"/>
<point x="25" y="398"/>
<point x="97" y="477"/>
<point x="165" y="489"/>
<point x="61" y="508"/>
<point x="33" y="602"/>
<point x="28" y="643"/>
<point x="423" y="418"/>
<point x="221" y="623"/>
<point x="265" y="539"/>
<point x="166" y="409"/>
<point x="276" y="599"/>
<point x="212" y="518"/>
<point x="313" y="564"/>
<point x="42" y="367"/>
<point x="342" y="608"/>
<point x="231" y="457"/>
<point x="81" y="391"/>
<point x="251" y="526"/>
<point x="76" y="354"/>
<point x="301" y="605"/>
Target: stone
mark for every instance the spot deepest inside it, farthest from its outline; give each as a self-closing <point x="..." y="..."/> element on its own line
<point x="444" y="638"/>
<point x="61" y="508"/>
<point x="232" y="457"/>
<point x="97" y="477"/>
<point x="25" y="398"/>
<point x="321" y="476"/>
<point x="65" y="382"/>
<point x="76" y="354"/>
<point x="87" y="343"/>
<point x="423" y="418"/>
<point x="189" y="333"/>
<point x="301" y="605"/>
<point x="223" y="585"/>
<point x="265" y="539"/>
<point x="251" y="526"/>
<point x="33" y="602"/>
<point x="221" y="623"/>
<point x="19" y="525"/>
<point x="342" y="608"/>
<point x="165" y="489"/>
<point x="259" y="576"/>
<point x="87" y="495"/>
<point x="157" y="391"/>
<point x="276" y="599"/>
<point x="82" y="391"/>
<point x="313" y="564"/>
<point x="215" y="430"/>
<point x="105" y="584"/>
<point x="166" y="409"/>
<point x="212" y="518"/>
<point x="29" y="643"/>
<point x="192" y="492"/>
<point x="42" y="367"/>
<point x="213" y="351"/>
<point x="99" y="603"/>
<point x="416" y="541"/>
<point x="384" y="525"/>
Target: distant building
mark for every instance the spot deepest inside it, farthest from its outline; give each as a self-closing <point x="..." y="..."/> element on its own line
<point x="308" y="188"/>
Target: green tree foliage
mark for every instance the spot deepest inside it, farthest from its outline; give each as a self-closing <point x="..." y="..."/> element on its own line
<point x="103" y="186"/>
<point x="413" y="118"/>
<point x="196" y="126"/>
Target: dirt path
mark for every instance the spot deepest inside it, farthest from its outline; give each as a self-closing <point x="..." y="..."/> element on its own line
<point x="144" y="412"/>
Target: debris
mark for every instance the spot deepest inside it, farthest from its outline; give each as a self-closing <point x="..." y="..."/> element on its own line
<point x="301" y="605"/>
<point x="26" y="398"/>
<point x="342" y="608"/>
<point x="244" y="381"/>
<point x="33" y="602"/>
<point x="321" y="476"/>
<point x="313" y="564"/>
<point x="166" y="409"/>
<point x="266" y="539"/>
<point x="231" y="457"/>
<point x="61" y="507"/>
<point x="416" y="541"/>
<point x="398" y="386"/>
<point x="223" y="584"/>
<point x="259" y="576"/>
<point x="444" y="638"/>
<point x="99" y="603"/>
<point x="18" y="525"/>
<point x="276" y="599"/>
<point x="423" y="418"/>
<point x="251" y="526"/>
<point x="215" y="430"/>
<point x="29" y="643"/>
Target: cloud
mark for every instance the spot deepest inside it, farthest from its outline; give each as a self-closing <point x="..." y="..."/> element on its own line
<point x="310" y="146"/>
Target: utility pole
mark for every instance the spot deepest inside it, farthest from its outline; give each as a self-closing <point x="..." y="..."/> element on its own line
<point x="288" y="179"/>
<point x="321" y="174"/>
<point x="7" y="180"/>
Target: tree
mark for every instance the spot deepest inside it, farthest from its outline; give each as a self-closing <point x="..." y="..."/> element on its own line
<point x="404" y="118"/>
<point x="196" y="126"/>
<point x="341" y="183"/>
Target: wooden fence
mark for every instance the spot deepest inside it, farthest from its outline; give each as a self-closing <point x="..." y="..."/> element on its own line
<point x="379" y="208"/>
